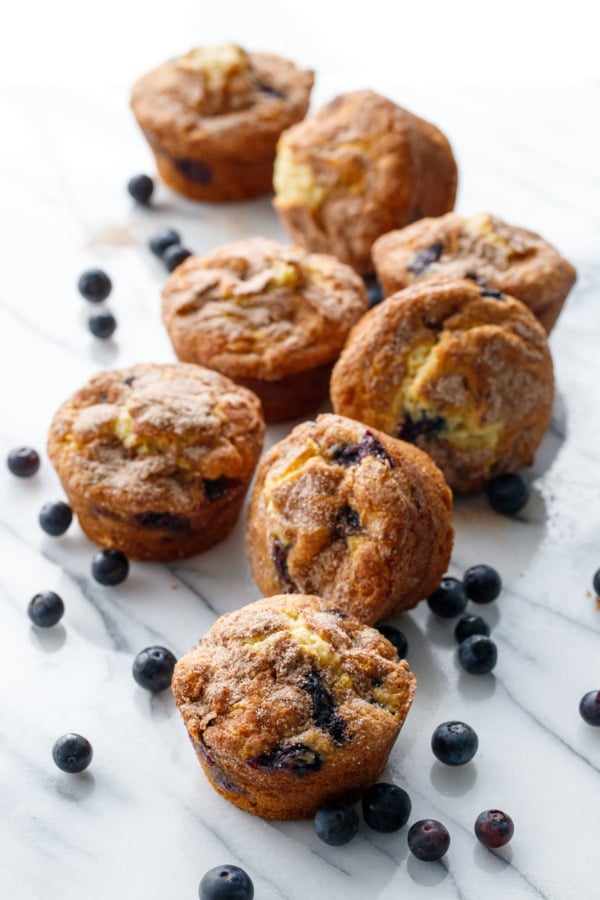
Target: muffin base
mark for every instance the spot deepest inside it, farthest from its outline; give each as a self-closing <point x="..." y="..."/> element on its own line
<point x="294" y="396"/>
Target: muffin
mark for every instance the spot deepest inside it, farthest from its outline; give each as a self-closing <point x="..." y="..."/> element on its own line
<point x="156" y="459"/>
<point x="289" y="704"/>
<point x="350" y="514"/>
<point x="358" y="168"/>
<point x="213" y="117"/>
<point x="271" y="317"/>
<point x="462" y="371"/>
<point x="483" y="248"/>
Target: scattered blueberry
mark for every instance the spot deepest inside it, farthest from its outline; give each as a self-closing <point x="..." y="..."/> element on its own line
<point x="174" y="256"/>
<point x="507" y="494"/>
<point x="94" y="285"/>
<point x="482" y="584"/>
<point x="161" y="242"/>
<point x="449" y="600"/>
<point x="110" y="567"/>
<point x="337" y="825"/>
<point x="386" y="807"/>
<point x="395" y="637"/>
<point x="102" y="324"/>
<point x="478" y="654"/>
<point x="23" y="462"/>
<point x="428" y="839"/>
<point x="596" y="581"/>
<point x="153" y="668"/>
<point x="46" y="609"/>
<point x="470" y="625"/>
<point x="141" y="188"/>
<point x="493" y="828"/>
<point x="589" y="708"/>
<point x="72" y="753"/>
<point x="55" y="517"/>
<point x="226" y="883"/>
<point x="454" y="743"/>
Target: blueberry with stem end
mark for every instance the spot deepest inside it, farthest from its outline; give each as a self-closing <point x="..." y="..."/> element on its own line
<point x="94" y="285"/>
<point x="507" y="494"/>
<point x="494" y="828"/>
<point x="482" y="584"/>
<point x="386" y="807"/>
<point x="46" y="609"/>
<point x="478" y="654"/>
<point x="226" y="883"/>
<point x="395" y="637"/>
<point x="470" y="625"/>
<point x="174" y="256"/>
<point x="110" y="567"/>
<point x="449" y="600"/>
<point x="141" y="188"/>
<point x="337" y="825"/>
<point x="454" y="743"/>
<point x="153" y="668"/>
<point x="55" y="517"/>
<point x="428" y="840"/>
<point x="72" y="753"/>
<point x="23" y="462"/>
<point x="589" y="708"/>
<point x="102" y="324"/>
<point x="161" y="242"/>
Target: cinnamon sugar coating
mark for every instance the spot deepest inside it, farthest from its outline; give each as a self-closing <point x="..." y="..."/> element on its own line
<point x="347" y="512"/>
<point x="290" y="703"/>
<point x="463" y="372"/>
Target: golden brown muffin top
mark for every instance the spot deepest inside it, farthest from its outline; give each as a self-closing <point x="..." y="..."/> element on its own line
<point x="164" y="436"/>
<point x="283" y="682"/>
<point x="262" y="309"/>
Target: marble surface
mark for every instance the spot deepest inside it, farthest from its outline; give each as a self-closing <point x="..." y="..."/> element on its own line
<point x="142" y="822"/>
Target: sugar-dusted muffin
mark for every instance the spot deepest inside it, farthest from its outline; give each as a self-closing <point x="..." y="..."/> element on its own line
<point x="290" y="703"/>
<point x="350" y="514"/>
<point x="358" y="168"/>
<point x="463" y="372"/>
<point x="156" y="459"/>
<point x="213" y="117"/>
<point x="483" y="248"/>
<point x="273" y="318"/>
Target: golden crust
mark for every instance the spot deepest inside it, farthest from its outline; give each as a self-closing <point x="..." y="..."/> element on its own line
<point x="360" y="518"/>
<point x="465" y="376"/>
<point x="499" y="255"/>
<point x="156" y="459"/>
<point x="289" y="704"/>
<point x="358" y="168"/>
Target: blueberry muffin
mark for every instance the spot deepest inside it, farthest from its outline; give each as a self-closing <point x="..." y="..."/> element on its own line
<point x="462" y="371"/>
<point x="358" y="168"/>
<point x="495" y="255"/>
<point x="156" y="459"/>
<point x="213" y="117"/>
<point x="351" y="514"/>
<point x="271" y="317"/>
<point x="290" y="703"/>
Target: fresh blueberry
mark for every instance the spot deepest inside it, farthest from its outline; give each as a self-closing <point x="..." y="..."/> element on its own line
<point x="141" y="188"/>
<point x="482" y="584"/>
<point x="94" y="285"/>
<point x="55" y="517"/>
<point x="589" y="708"/>
<point x="23" y="462"/>
<point x="478" y="654"/>
<point x="110" y="567"/>
<point x="454" y="743"/>
<point x="153" y="668"/>
<point x="449" y="600"/>
<point x="337" y="825"/>
<point x="174" y="256"/>
<point x="72" y="753"/>
<point x="46" y="609"/>
<point x="395" y="637"/>
<point x="161" y="242"/>
<point x="386" y="807"/>
<point x="493" y="828"/>
<point x="507" y="494"/>
<point x="102" y="324"/>
<point x="226" y="883"/>
<point x="596" y="581"/>
<point x="428" y="840"/>
<point x="469" y="625"/>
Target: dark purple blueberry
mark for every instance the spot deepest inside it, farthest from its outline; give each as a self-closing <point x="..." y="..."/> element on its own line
<point x="478" y="279"/>
<point x="141" y="188"/>
<point x="395" y="637"/>
<point x="299" y="759"/>
<point x="428" y="840"/>
<point x="478" y="654"/>
<point x="110" y="567"/>
<point x="368" y="445"/>
<point x="386" y="807"/>
<point x="425" y="258"/>
<point x="596" y="581"/>
<point x="174" y="256"/>
<point x="226" y="883"/>
<point x="454" y="743"/>
<point x="279" y="555"/>
<point x="324" y="713"/>
<point x="163" y="520"/>
<point x="153" y="668"/>
<point x="493" y="828"/>
<point x="271" y="91"/>
<point x="23" y="462"/>
<point x="337" y="825"/>
<point x="46" y="609"/>
<point x="72" y="753"/>
<point x="347" y="522"/>
<point x="449" y="600"/>
<point x="161" y="242"/>
<point x="589" y="708"/>
<point x="507" y="494"/>
<point x="469" y="625"/>
<point x="215" y="488"/>
<point x="94" y="285"/>
<point x="55" y="517"/>
<point x="410" y="430"/>
<point x="374" y="290"/>
<point x="102" y="324"/>
<point x="493" y="294"/>
<point x="482" y="584"/>
<point x="194" y="169"/>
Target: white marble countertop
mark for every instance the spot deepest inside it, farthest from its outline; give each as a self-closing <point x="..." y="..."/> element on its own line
<point x="143" y="822"/>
